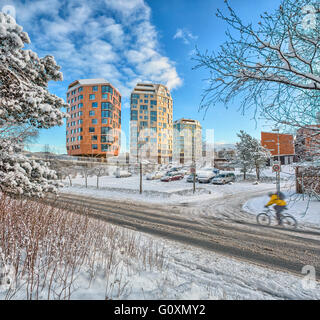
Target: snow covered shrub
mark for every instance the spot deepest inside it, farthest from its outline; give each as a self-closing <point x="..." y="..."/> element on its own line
<point x="55" y="253"/>
<point x="24" y="101"/>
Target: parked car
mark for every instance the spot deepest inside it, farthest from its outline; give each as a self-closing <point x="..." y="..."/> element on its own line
<point x="155" y="175"/>
<point x="122" y="174"/>
<point x="224" y="178"/>
<point x="206" y="175"/>
<point x="173" y="176"/>
<point x="190" y="178"/>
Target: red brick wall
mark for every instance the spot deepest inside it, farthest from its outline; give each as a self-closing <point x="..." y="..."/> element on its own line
<point x="311" y="141"/>
<point x="270" y="141"/>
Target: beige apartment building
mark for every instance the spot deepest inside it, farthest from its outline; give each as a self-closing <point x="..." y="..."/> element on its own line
<point x="187" y="141"/>
<point x="151" y="125"/>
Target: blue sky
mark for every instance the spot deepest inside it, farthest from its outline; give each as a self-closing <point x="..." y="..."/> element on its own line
<point x="126" y="41"/>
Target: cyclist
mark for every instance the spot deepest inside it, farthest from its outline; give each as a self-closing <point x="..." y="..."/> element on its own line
<point x="277" y="199"/>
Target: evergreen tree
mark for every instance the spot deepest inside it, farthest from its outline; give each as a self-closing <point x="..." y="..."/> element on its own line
<point x="251" y="154"/>
<point x="25" y="101"/>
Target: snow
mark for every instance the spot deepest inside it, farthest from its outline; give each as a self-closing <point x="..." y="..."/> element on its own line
<point x="192" y="274"/>
<point x="306" y="211"/>
<point x="156" y="191"/>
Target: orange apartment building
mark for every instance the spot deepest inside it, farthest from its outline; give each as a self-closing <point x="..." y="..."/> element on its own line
<point x="94" y="126"/>
<point x="286" y="146"/>
<point x="308" y="141"/>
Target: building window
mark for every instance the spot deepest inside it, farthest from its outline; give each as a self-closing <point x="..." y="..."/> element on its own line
<point x="80" y="89"/>
<point x="106" y="106"/>
<point x="80" y="113"/>
<point x="107" y="89"/>
<point x="79" y="138"/>
<point x="92" y="97"/>
<point x="94" y="88"/>
<point x="106" y="114"/>
<point x="153" y="102"/>
<point x="104" y="121"/>
<point x="94" y="104"/>
<point x="80" y="97"/>
<point x="135" y="96"/>
<point x="134" y="115"/>
<point x="134" y="101"/>
<point x="107" y="139"/>
<point x="95" y="147"/>
<point x="80" y="105"/>
<point x="105" y="130"/>
<point x="105" y="147"/>
<point x="91" y="113"/>
<point x="94" y="138"/>
<point x="91" y="129"/>
<point x="105" y="96"/>
<point x="94" y="121"/>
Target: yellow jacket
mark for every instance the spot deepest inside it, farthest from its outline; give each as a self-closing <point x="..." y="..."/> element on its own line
<point x="275" y="200"/>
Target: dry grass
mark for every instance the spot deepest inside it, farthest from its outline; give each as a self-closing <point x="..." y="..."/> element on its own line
<point x="49" y="248"/>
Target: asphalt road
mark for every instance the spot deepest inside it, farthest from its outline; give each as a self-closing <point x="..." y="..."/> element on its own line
<point x="225" y="230"/>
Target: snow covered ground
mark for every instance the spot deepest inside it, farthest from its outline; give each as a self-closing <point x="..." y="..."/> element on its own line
<point x="188" y="274"/>
<point x="305" y="210"/>
<point x="157" y="191"/>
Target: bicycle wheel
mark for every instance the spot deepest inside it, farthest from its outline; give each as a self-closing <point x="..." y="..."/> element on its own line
<point x="289" y="222"/>
<point x="264" y="219"/>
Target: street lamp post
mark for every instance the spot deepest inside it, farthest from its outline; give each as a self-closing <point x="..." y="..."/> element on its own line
<point x="193" y="162"/>
<point x="140" y="165"/>
<point x="279" y="160"/>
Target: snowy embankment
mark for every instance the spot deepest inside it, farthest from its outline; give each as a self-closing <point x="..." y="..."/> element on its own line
<point x="304" y="209"/>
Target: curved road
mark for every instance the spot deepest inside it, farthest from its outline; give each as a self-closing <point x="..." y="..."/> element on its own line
<point x="218" y="226"/>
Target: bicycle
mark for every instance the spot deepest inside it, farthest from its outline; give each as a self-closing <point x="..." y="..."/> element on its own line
<point x="286" y="220"/>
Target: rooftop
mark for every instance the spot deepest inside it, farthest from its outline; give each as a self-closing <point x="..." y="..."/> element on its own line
<point x="87" y="82"/>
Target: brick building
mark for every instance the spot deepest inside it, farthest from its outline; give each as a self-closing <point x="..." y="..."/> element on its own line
<point x="308" y="142"/>
<point x="94" y="126"/>
<point x="279" y="145"/>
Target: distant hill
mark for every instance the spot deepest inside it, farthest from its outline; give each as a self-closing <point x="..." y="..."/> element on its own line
<point x="219" y="147"/>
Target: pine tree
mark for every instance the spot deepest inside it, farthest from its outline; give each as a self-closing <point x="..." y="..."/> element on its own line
<point x="25" y="101"/>
<point x="251" y="154"/>
<point x="243" y="159"/>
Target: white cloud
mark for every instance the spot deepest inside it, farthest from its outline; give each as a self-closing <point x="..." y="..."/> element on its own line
<point x="186" y="35"/>
<point x="114" y="39"/>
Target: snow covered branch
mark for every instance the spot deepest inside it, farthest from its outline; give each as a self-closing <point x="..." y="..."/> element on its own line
<point x="25" y="102"/>
<point x="276" y="62"/>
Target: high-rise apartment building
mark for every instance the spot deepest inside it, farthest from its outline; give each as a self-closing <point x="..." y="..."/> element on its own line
<point x="151" y="125"/>
<point x="94" y="126"/>
<point x="187" y="141"/>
